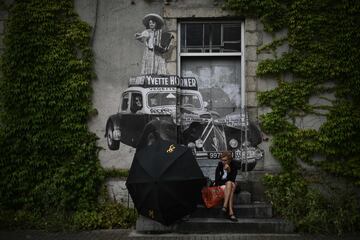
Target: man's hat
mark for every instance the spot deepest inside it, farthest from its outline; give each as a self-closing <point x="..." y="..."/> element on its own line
<point x="154" y="17"/>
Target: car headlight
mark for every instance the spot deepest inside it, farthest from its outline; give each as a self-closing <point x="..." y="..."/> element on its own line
<point x="199" y="143"/>
<point x="191" y="145"/>
<point x="258" y="153"/>
<point x="233" y="143"/>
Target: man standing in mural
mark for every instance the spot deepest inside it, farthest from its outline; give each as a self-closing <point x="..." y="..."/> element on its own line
<point x="156" y="42"/>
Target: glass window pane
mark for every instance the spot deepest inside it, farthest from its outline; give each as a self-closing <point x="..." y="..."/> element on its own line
<point x="206" y="34"/>
<point x="232" y="32"/>
<point x="232" y="47"/>
<point x="219" y="81"/>
<point x="161" y="99"/>
<point x="216" y="34"/>
<point x="190" y="99"/>
<point x="210" y="37"/>
<point x="182" y="37"/>
<point x="194" y="34"/>
<point x="136" y="102"/>
<point x="125" y="102"/>
<point x="194" y="50"/>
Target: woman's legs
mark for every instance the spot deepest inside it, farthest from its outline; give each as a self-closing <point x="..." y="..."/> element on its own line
<point x="229" y="194"/>
<point x="231" y="199"/>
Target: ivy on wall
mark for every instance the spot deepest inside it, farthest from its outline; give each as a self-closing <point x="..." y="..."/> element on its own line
<point x="48" y="158"/>
<point x="324" y="60"/>
<point x="51" y="176"/>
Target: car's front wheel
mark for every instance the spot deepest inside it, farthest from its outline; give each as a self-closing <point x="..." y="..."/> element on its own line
<point x="112" y="144"/>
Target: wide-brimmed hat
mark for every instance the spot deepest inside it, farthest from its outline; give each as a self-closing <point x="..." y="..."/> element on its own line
<point x="156" y="18"/>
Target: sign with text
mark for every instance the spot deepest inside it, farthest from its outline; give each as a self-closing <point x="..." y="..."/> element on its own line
<point x="164" y="81"/>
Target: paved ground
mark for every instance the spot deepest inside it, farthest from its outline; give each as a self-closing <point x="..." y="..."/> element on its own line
<point x="128" y="234"/>
<point x="86" y="235"/>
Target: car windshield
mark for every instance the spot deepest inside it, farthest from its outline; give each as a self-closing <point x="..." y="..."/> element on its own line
<point x="161" y="99"/>
<point x="190" y="100"/>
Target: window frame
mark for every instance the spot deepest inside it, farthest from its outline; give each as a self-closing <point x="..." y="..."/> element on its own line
<point x="240" y="54"/>
<point x="132" y="101"/>
<point x="123" y="96"/>
<point x="222" y="41"/>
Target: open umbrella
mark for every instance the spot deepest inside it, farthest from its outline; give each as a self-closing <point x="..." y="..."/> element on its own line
<point x="165" y="181"/>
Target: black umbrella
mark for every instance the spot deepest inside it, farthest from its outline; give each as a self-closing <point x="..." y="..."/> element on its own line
<point x="165" y="181"/>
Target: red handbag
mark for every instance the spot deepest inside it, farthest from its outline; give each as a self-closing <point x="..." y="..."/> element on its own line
<point x="212" y="196"/>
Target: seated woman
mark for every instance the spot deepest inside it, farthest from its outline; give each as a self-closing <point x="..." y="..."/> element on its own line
<point x="225" y="176"/>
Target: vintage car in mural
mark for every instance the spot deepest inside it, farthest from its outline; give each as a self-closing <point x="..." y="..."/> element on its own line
<point x="172" y="108"/>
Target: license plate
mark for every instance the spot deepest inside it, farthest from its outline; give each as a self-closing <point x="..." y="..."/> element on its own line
<point x="214" y="155"/>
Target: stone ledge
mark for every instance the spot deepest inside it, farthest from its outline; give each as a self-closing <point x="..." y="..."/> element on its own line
<point x="255" y="210"/>
<point x="195" y="12"/>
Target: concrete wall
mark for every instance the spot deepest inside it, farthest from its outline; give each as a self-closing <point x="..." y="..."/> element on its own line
<point x="117" y="57"/>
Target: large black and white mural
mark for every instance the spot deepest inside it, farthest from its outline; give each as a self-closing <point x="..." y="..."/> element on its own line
<point x="200" y="109"/>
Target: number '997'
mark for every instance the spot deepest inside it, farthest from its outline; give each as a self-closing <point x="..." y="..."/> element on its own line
<point x="214" y="155"/>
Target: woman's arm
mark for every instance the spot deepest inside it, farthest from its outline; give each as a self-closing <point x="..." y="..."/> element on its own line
<point x="142" y="36"/>
<point x="232" y="174"/>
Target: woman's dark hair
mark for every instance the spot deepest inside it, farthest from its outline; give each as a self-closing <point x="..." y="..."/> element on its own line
<point x="226" y="155"/>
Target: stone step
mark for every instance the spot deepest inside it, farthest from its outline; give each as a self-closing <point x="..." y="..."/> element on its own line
<point x="243" y="225"/>
<point x="258" y="210"/>
<point x="244" y="197"/>
<point x="216" y="225"/>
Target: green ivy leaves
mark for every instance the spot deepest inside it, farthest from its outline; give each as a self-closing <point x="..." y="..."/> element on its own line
<point x="48" y="158"/>
<point x="323" y="39"/>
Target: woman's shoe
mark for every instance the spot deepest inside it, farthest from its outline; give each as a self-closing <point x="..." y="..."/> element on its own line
<point x="233" y="218"/>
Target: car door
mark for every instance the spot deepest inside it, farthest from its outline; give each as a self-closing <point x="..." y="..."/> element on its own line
<point x="134" y="119"/>
<point x="123" y="111"/>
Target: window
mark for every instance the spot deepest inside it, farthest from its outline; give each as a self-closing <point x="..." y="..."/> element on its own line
<point x="190" y="100"/>
<point x="210" y="37"/>
<point x="136" y="102"/>
<point x="161" y="99"/>
<point x="125" y="102"/>
<point x="213" y="53"/>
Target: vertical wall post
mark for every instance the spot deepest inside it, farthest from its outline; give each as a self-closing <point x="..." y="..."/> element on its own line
<point x="243" y="80"/>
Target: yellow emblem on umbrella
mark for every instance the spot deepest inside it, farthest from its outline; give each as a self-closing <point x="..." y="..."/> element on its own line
<point x="151" y="214"/>
<point x="171" y="149"/>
